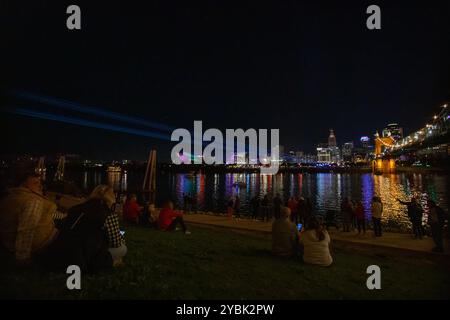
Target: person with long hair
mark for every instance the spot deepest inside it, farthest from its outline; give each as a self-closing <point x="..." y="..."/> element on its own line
<point x="116" y="242"/>
<point x="315" y="243"/>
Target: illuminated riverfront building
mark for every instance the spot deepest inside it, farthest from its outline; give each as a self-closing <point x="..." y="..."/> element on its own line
<point x="335" y="153"/>
<point x="331" y="139"/>
<point x="328" y="152"/>
<point x="305" y="158"/>
<point x="347" y="151"/>
<point x="365" y="140"/>
<point x="361" y="152"/>
<point x="323" y="153"/>
<point x="393" y="130"/>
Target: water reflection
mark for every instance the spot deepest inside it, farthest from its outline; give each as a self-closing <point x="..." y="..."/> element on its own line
<point x="326" y="190"/>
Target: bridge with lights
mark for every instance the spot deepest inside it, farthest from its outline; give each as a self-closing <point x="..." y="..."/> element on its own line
<point x="435" y="133"/>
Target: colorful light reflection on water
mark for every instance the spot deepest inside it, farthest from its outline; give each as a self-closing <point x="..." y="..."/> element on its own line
<point x="326" y="190"/>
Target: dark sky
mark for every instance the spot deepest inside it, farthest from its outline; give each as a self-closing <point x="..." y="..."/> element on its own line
<point x="300" y="66"/>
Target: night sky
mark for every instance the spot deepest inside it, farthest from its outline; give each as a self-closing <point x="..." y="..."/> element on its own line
<point x="302" y="67"/>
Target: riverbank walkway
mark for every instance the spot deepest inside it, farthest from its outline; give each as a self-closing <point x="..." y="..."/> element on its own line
<point x="389" y="240"/>
<point x="399" y="241"/>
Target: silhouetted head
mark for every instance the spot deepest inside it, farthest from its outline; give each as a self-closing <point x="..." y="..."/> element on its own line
<point x="285" y="212"/>
<point x="23" y="174"/>
<point x="315" y="223"/>
<point x="31" y="180"/>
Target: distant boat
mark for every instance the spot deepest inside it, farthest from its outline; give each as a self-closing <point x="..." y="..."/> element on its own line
<point x="114" y="169"/>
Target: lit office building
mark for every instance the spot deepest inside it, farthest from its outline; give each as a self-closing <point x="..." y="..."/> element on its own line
<point x="393" y="130"/>
<point x="335" y="153"/>
<point x="329" y="152"/>
<point x="323" y="153"/>
<point x="347" y="151"/>
<point x="365" y="140"/>
<point x="332" y="139"/>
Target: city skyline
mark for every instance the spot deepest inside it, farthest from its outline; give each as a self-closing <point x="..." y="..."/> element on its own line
<point x="265" y="66"/>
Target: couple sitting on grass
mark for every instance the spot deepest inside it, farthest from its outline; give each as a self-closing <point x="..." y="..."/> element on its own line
<point x="34" y="232"/>
<point x="168" y="219"/>
<point x="312" y="244"/>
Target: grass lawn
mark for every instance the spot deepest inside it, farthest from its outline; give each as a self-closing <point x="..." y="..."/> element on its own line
<point x="221" y="264"/>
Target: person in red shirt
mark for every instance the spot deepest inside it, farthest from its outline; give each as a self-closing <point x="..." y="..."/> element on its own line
<point x="131" y="209"/>
<point x="169" y="218"/>
<point x="360" y="218"/>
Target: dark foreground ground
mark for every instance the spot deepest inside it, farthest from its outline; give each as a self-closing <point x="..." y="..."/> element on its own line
<point x="222" y="264"/>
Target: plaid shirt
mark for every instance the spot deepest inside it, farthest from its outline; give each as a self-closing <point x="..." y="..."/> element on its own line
<point x="112" y="229"/>
<point x="58" y="215"/>
<point x="28" y="220"/>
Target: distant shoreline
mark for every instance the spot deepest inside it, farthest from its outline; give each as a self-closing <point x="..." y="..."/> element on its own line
<point x="193" y="169"/>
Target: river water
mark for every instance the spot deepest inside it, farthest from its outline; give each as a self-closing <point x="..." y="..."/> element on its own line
<point x="325" y="190"/>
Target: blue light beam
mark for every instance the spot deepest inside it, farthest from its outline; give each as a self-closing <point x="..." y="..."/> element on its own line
<point x="89" y="110"/>
<point x="87" y="123"/>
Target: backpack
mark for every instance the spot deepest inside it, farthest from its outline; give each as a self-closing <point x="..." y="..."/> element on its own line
<point x="82" y="240"/>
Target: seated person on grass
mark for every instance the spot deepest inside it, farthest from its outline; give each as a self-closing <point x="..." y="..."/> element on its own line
<point x="284" y="235"/>
<point x="116" y="241"/>
<point x="90" y="235"/>
<point x="26" y="219"/>
<point x="315" y="243"/>
<point x="169" y="218"/>
<point x="149" y="216"/>
<point x="131" y="209"/>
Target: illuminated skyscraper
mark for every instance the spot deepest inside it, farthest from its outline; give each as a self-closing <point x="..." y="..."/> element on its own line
<point x="331" y="139"/>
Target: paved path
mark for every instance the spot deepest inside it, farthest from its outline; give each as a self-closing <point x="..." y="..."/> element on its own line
<point x="388" y="240"/>
<point x="399" y="241"/>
